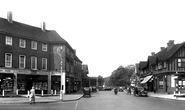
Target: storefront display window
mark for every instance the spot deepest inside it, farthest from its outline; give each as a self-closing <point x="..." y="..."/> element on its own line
<point x="40" y="85"/>
<point x="160" y="82"/>
<point x="7" y="84"/>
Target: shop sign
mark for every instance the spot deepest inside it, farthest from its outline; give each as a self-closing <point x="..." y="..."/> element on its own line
<point x="6" y="71"/>
<point x="23" y="72"/>
<point x="56" y="73"/>
<point x="42" y="73"/>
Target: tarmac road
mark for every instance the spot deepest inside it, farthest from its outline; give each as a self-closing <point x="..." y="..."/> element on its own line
<point x="104" y="100"/>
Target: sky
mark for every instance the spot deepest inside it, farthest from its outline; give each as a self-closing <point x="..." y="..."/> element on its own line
<point x="106" y="33"/>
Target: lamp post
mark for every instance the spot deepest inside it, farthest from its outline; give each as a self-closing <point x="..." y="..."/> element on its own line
<point x="59" y="49"/>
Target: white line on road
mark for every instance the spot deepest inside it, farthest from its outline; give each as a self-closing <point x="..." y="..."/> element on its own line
<point x="76" y="105"/>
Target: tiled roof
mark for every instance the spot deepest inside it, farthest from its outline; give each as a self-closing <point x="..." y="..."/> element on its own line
<point x="164" y="54"/>
<point x="29" y="32"/>
<point x="152" y="59"/>
<point x="22" y="30"/>
<point x="142" y="64"/>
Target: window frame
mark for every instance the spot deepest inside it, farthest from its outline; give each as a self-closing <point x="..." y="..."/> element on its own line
<point x="9" y="41"/>
<point x="44" y="64"/>
<point x="180" y="62"/>
<point x="44" y="47"/>
<point x="22" y="62"/>
<point x="34" y="45"/>
<point x="24" y="43"/>
<point x="7" y="62"/>
<point x="35" y="66"/>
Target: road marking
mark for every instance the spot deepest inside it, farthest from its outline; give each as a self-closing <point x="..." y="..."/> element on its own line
<point x="76" y="105"/>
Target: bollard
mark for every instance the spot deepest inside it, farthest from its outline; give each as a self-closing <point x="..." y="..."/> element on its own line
<point x="17" y="92"/>
<point x="61" y="97"/>
<point x="55" y="92"/>
<point x="52" y="92"/>
<point x="28" y="94"/>
<point x="3" y="93"/>
<point x="42" y="93"/>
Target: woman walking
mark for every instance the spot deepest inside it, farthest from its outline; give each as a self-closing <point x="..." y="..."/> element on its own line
<point x="32" y="95"/>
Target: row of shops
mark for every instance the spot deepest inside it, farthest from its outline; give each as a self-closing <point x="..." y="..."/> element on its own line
<point x="11" y="81"/>
<point x="164" y="83"/>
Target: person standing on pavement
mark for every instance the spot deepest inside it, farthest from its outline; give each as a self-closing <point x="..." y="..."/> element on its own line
<point x="32" y="95"/>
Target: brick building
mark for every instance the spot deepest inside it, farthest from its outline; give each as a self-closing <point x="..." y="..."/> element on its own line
<point x="30" y="56"/>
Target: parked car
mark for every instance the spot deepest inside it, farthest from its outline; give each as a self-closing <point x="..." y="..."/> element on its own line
<point x="94" y="89"/>
<point x="87" y="91"/>
<point x="140" y="91"/>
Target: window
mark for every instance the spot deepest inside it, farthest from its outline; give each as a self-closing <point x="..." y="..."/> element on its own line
<point x="22" y="43"/>
<point x="161" y="82"/>
<point x="44" y="63"/>
<point x="34" y="45"/>
<point x="67" y="66"/>
<point x="181" y="62"/>
<point x="44" y="47"/>
<point x="8" y="40"/>
<point x="22" y="61"/>
<point x="165" y="65"/>
<point x="34" y="63"/>
<point x="8" y="60"/>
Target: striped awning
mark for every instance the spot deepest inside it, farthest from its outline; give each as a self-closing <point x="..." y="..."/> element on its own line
<point x="146" y="79"/>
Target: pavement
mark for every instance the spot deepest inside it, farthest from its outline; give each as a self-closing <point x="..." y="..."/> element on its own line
<point x="23" y="99"/>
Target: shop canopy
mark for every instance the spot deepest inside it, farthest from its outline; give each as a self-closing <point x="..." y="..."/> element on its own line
<point x="146" y="79"/>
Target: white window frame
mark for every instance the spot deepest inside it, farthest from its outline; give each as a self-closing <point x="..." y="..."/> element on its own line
<point x="22" y="43"/>
<point x="44" y="64"/>
<point x="8" y="64"/>
<point x="34" y="45"/>
<point x="8" y="40"/>
<point x="34" y="67"/>
<point x="20" y="62"/>
<point x="44" y="47"/>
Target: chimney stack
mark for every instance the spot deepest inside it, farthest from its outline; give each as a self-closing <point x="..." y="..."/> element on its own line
<point x="153" y="53"/>
<point x="170" y="44"/>
<point x="74" y="51"/>
<point x="162" y="48"/>
<point x="9" y="17"/>
<point x="43" y="26"/>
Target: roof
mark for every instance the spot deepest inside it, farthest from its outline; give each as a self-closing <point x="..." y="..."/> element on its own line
<point x="29" y="32"/>
<point x="164" y="54"/>
<point x="142" y="64"/>
<point x="152" y="59"/>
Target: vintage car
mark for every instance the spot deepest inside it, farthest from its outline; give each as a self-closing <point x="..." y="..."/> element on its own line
<point x="87" y="91"/>
<point x="140" y="91"/>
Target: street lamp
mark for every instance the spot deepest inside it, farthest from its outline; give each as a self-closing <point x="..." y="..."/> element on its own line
<point x="59" y="49"/>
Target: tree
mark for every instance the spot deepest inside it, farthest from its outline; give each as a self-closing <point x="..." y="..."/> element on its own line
<point x="121" y="76"/>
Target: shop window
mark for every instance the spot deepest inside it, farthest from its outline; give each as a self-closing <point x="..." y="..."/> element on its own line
<point x="34" y="63"/>
<point x="161" y="83"/>
<point x="181" y="84"/>
<point x="22" y="61"/>
<point x="44" y="47"/>
<point x="7" y="84"/>
<point x="8" y="40"/>
<point x="181" y="62"/>
<point x="22" y="43"/>
<point x="44" y="63"/>
<point x="34" y="45"/>
<point x="8" y="60"/>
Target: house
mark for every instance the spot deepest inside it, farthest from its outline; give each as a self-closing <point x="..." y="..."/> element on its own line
<point x="167" y="68"/>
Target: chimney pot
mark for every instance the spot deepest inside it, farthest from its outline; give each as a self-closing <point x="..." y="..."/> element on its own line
<point x="43" y="26"/>
<point x="152" y="53"/>
<point x="9" y="17"/>
<point x="170" y="44"/>
<point x="162" y="48"/>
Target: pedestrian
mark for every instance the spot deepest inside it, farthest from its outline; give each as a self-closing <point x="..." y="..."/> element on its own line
<point x="32" y="95"/>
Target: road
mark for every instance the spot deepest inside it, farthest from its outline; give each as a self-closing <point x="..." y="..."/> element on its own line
<point x="104" y="100"/>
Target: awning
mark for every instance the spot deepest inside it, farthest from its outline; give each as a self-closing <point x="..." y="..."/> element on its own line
<point x="146" y="79"/>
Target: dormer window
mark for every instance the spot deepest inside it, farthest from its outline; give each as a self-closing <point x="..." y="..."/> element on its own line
<point x="181" y="62"/>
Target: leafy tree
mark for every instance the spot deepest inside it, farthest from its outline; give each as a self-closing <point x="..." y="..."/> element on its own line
<point x="121" y="76"/>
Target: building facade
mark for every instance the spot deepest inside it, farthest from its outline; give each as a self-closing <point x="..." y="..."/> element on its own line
<point x="30" y="56"/>
<point x="166" y="68"/>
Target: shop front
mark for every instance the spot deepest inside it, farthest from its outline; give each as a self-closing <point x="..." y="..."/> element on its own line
<point x="6" y="82"/>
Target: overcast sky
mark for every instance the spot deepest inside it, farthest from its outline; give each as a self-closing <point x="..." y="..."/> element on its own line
<point x="106" y="33"/>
